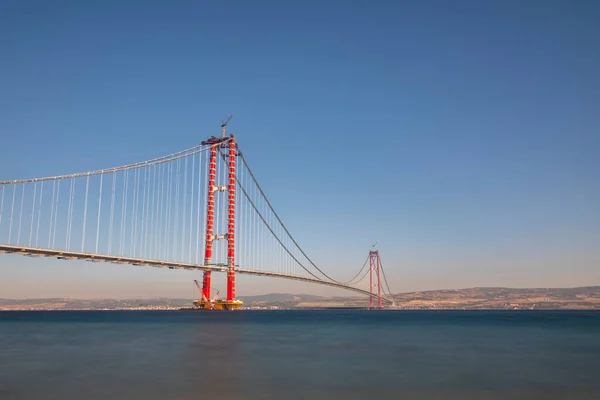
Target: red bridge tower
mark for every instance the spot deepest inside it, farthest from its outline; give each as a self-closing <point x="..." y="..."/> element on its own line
<point x="216" y="144"/>
<point x="375" y="271"/>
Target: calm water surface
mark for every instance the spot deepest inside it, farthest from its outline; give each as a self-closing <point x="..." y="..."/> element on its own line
<point x="299" y="355"/>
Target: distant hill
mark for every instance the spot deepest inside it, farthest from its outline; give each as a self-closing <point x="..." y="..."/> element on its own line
<point x="481" y="298"/>
<point x="91" y="304"/>
<point x="503" y="298"/>
<point x="471" y="298"/>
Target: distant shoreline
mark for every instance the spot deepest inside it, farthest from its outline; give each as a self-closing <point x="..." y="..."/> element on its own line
<point x="310" y="309"/>
<point x="483" y="298"/>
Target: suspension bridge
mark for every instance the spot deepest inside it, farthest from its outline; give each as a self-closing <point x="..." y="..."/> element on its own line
<point x="197" y="209"/>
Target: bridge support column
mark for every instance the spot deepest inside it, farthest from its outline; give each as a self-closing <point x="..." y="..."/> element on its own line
<point x="210" y="220"/>
<point x="370" y="278"/>
<point x="379" y="281"/>
<point x="375" y="269"/>
<point x="231" y="223"/>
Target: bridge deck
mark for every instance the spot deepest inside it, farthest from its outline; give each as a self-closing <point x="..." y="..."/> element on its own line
<point x="71" y="255"/>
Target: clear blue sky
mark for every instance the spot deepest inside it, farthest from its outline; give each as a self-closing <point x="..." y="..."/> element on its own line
<point x="464" y="135"/>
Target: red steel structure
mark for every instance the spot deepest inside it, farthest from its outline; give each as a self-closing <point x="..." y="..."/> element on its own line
<point x="375" y="269"/>
<point x="210" y="220"/>
<point x="230" y="161"/>
<point x="231" y="223"/>
<point x="138" y="248"/>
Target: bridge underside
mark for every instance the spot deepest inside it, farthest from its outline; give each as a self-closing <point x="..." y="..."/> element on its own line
<point x="71" y="255"/>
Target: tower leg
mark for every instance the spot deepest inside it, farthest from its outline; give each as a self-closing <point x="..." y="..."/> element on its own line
<point x="210" y="220"/>
<point x="206" y="286"/>
<point x="231" y="223"/>
<point x="370" y="278"/>
<point x="379" y="281"/>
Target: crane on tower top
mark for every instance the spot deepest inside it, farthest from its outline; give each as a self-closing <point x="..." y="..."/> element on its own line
<point x="215" y="140"/>
<point x="224" y="126"/>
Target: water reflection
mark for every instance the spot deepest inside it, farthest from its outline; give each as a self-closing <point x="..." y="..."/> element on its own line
<point x="214" y="362"/>
<point x="299" y="355"/>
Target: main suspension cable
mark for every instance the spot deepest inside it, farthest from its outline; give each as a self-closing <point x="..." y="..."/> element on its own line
<point x="159" y="160"/>
<point x="271" y="230"/>
<point x="351" y="281"/>
<point x="281" y="222"/>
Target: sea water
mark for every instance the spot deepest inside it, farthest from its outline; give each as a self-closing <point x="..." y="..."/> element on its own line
<point x="299" y="355"/>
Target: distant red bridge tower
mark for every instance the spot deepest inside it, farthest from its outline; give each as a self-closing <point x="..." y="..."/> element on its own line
<point x="375" y="272"/>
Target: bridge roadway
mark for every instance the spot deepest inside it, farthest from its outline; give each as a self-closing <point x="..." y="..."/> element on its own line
<point x="71" y="255"/>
